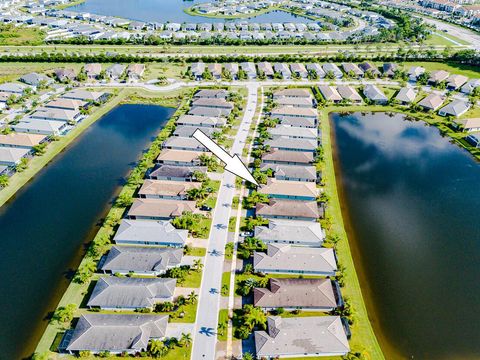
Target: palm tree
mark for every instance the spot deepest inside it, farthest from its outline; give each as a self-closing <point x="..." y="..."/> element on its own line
<point x="197" y="264"/>
<point x="254" y="316"/>
<point x="157" y="348"/>
<point x="197" y="193"/>
<point x="192" y="298"/>
<point x="186" y="339"/>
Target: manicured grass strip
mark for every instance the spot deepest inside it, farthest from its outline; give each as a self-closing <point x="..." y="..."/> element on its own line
<point x="226" y="283"/>
<point x="222" y="325"/>
<point x="196" y="251"/>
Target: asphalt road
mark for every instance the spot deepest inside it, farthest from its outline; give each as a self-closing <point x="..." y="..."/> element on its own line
<point x="205" y="334"/>
<point x="457" y="31"/>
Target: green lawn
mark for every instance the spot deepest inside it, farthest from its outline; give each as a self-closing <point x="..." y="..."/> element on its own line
<point x="223" y="319"/>
<point x="193" y="280"/>
<point x="231" y="223"/>
<point x="436" y="39"/>
<point x="460" y="69"/>
<point x="20" y="35"/>
<point x="196" y="251"/>
<point x="226" y="282"/>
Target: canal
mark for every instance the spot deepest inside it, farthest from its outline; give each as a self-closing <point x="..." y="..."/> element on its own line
<point x="411" y="200"/>
<point x="44" y="228"/>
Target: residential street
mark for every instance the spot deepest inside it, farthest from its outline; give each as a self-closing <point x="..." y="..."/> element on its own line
<point x="205" y="336"/>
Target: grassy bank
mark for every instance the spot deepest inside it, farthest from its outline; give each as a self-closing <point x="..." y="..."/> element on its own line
<point x="192" y="12"/>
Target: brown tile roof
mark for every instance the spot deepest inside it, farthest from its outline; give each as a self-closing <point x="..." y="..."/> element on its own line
<point x="290" y="188"/>
<point x="167" y="187"/>
<point x="289" y="208"/>
<point x="161" y="208"/>
<point x="289" y="156"/>
<point x="21" y="139"/>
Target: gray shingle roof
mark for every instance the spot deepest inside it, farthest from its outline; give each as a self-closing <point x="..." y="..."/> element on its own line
<point x="301" y="335"/>
<point x="292" y="171"/>
<point x="97" y="332"/>
<point x="146" y="231"/>
<point x="127" y="292"/>
<point x="287" y="230"/>
<point x="141" y="259"/>
<point x="172" y="171"/>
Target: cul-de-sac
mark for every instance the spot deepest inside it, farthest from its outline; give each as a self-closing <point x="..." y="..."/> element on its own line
<point x="238" y="179"/>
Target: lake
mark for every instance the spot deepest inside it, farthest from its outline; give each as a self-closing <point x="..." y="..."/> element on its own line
<point x="44" y="228"/>
<point x="168" y="10"/>
<point x="411" y="200"/>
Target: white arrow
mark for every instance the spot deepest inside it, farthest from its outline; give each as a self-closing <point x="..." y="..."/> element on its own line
<point x="233" y="163"/>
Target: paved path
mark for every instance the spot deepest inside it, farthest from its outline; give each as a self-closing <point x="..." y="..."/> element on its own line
<point x="205" y="334"/>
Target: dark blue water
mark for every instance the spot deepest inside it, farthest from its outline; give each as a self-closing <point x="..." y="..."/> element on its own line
<point x="167" y="10"/>
<point x="44" y="227"/>
<point x="413" y="200"/>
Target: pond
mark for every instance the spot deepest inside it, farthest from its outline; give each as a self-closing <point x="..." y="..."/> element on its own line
<point x="411" y="200"/>
<point x="44" y="227"/>
<point x="167" y="10"/>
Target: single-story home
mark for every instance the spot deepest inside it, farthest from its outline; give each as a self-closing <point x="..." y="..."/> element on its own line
<point x="140" y="260"/>
<point x="183" y="143"/>
<point x="329" y="93"/>
<point x="299" y="122"/>
<point x="135" y="71"/>
<point x="283" y="70"/>
<point x="129" y="293"/>
<point x="86" y="95"/>
<point x="415" y="72"/>
<point x="92" y="70"/>
<point x="165" y="189"/>
<point x="201" y="121"/>
<point x="293" y="144"/>
<point x="44" y="127"/>
<point x="316" y="69"/>
<point x="175" y="173"/>
<point x="179" y="157"/>
<point x="55" y="114"/>
<point x="352" y="70"/>
<point x="331" y="68"/>
<point x="114" y="333"/>
<point x="145" y="232"/>
<point x="64" y="75"/>
<point x="406" y="95"/>
<point x="224" y="106"/>
<point x="374" y="94"/>
<point x="290" y="190"/>
<point x="432" y="102"/>
<point x="470" y="86"/>
<point x="389" y="69"/>
<point x="299" y="70"/>
<point x="349" y="93"/>
<point x="292" y="172"/>
<point x="289" y="210"/>
<point x="266" y="69"/>
<point x="21" y="140"/>
<point x="369" y="68"/>
<point x="275" y="156"/>
<point x="215" y="70"/>
<point x="438" y="76"/>
<point x="298" y="233"/>
<point x="455" y="81"/>
<point x="302" y="102"/>
<point x="197" y="69"/>
<point x="211" y="94"/>
<point x="469" y="125"/>
<point x="36" y="79"/>
<point x="206" y="111"/>
<point x="11" y="156"/>
<point x="474" y="138"/>
<point x="456" y="108"/>
<point x="67" y="104"/>
<point x="188" y="131"/>
<point x="160" y="209"/>
<point x="13" y="88"/>
<point x="299" y="337"/>
<point x="288" y="259"/>
<point x="293" y="132"/>
<point x="291" y="293"/>
<point x="292" y="92"/>
<point x="294" y="112"/>
<point x="115" y="71"/>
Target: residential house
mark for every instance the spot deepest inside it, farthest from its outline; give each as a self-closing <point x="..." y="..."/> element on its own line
<point x="415" y="72"/>
<point x="13" y="89"/>
<point x="333" y="70"/>
<point x="299" y="122"/>
<point x="55" y="114"/>
<point x="288" y="259"/>
<point x="135" y="71"/>
<point x="206" y="111"/>
<point x="301" y="102"/>
<point x="179" y="157"/>
<point x="65" y="75"/>
<point x="86" y="95"/>
<point x="299" y="337"/>
<point x="374" y="94"/>
<point x="114" y="333"/>
<point x="473" y="138"/>
<point x="145" y="232"/>
<point x="370" y="69"/>
<point x="317" y="69"/>
<point x="266" y="69"/>
<point x="292" y="172"/>
<point x="164" y="189"/>
<point x="67" y="104"/>
<point x="432" y="102"/>
<point x="293" y="144"/>
<point x="456" y="108"/>
<point x="352" y="70"/>
<point x="92" y="70"/>
<point x="291" y="294"/>
<point x="282" y="157"/>
<point x="290" y="190"/>
<point x="146" y="261"/>
<point x="289" y="210"/>
<point x="232" y="69"/>
<point x="36" y="79"/>
<point x="406" y="95"/>
<point x="215" y="70"/>
<point x="299" y="70"/>
<point x="11" y="156"/>
<point x="283" y="70"/>
<point x="226" y="107"/>
<point x="20" y="140"/>
<point x="115" y="71"/>
<point x="130" y="293"/>
<point x="293" y="132"/>
<point x="389" y="69"/>
<point x="470" y="86"/>
<point x="35" y="126"/>
<point x="298" y="233"/>
<point x="183" y="143"/>
<point x="211" y="93"/>
<point x="188" y="131"/>
<point x="455" y="82"/>
<point x="201" y="121"/>
<point x="160" y="209"/>
<point x="438" y="76"/>
<point x="176" y="173"/>
<point x="249" y="69"/>
<point x="285" y="112"/>
<point x="469" y="125"/>
<point x="293" y="93"/>
<point x="349" y="94"/>
<point x="329" y="93"/>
